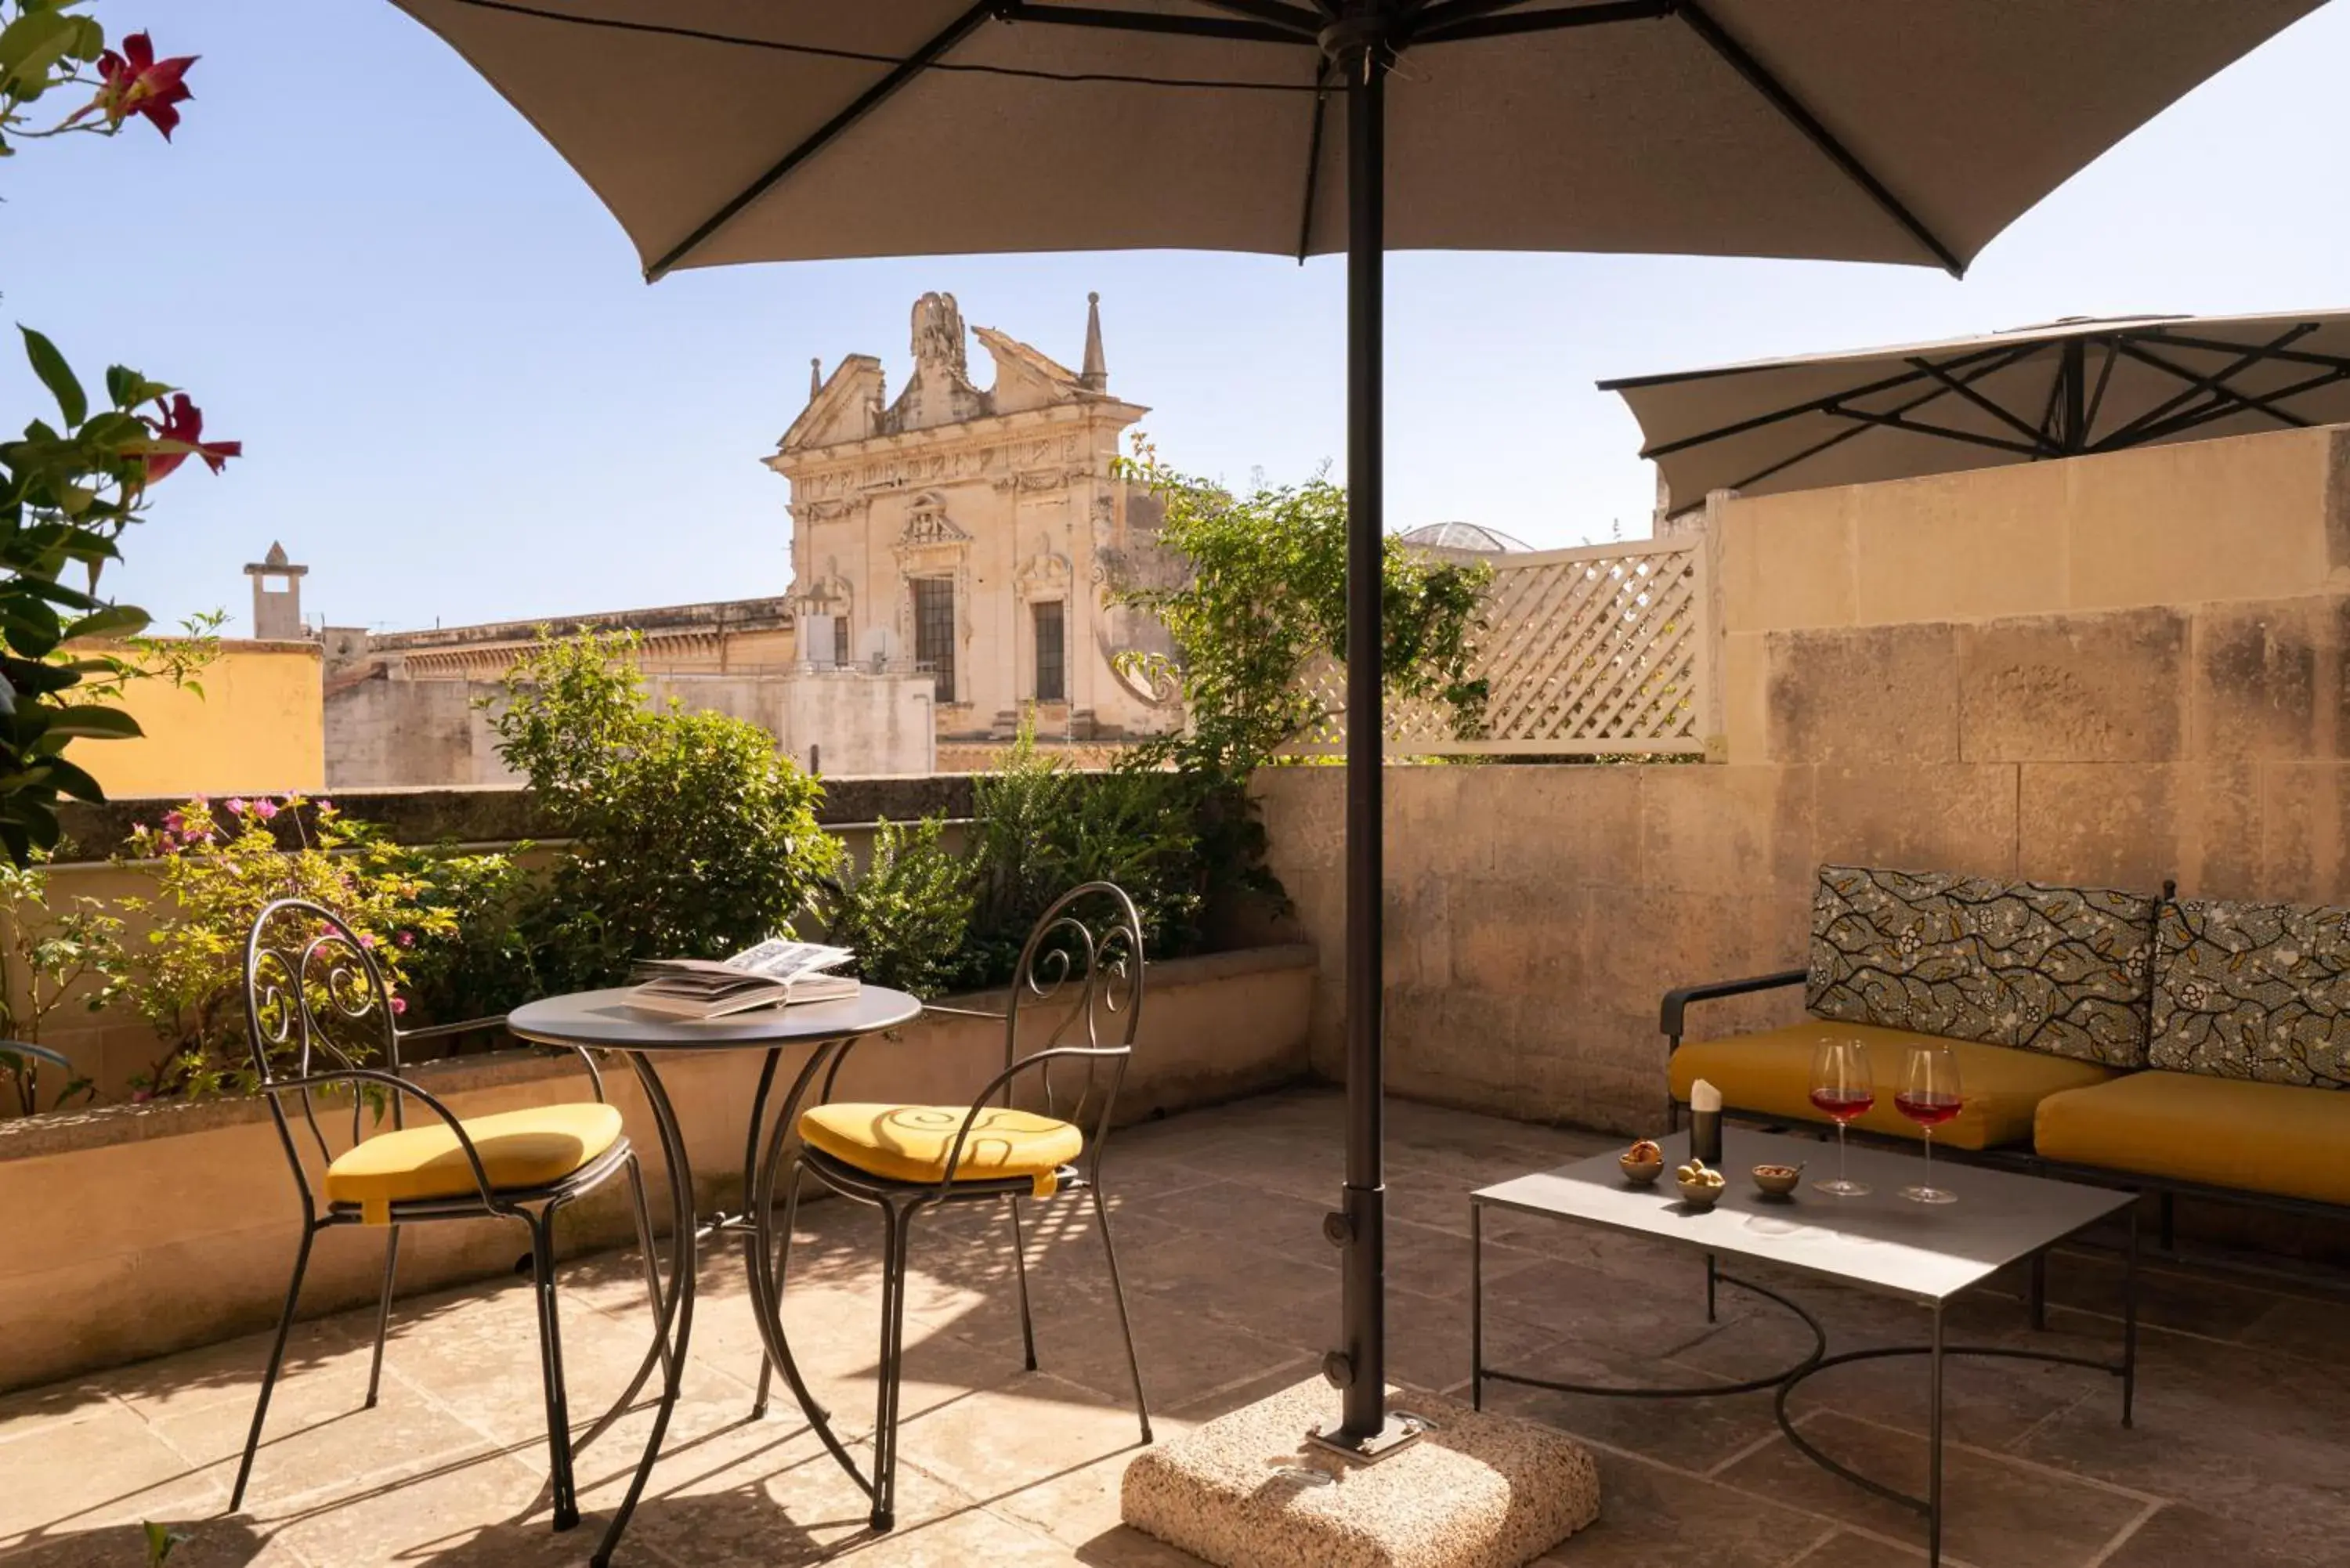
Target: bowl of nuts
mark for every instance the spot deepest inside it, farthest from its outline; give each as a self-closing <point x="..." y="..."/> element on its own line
<point x="1778" y="1180"/>
<point x="1642" y="1163"/>
<point x="1701" y="1186"/>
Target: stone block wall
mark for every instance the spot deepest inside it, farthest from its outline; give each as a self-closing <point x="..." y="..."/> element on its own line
<point x="2107" y="671"/>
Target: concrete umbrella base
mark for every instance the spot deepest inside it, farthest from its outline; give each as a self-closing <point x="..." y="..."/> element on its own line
<point x="1246" y="1490"/>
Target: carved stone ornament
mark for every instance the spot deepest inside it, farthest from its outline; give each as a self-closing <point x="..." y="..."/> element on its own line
<point x="1046" y="575"/>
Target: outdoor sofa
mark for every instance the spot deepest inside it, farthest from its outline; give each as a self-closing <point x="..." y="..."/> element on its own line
<point x="2189" y="1045"/>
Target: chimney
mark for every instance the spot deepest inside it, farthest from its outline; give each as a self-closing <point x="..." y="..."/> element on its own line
<point x="276" y="610"/>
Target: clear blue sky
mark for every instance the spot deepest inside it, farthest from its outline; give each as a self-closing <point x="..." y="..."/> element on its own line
<point x="458" y="402"/>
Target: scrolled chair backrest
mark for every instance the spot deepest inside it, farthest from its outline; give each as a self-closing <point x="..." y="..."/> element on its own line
<point x="315" y="1001"/>
<point x="1082" y="969"/>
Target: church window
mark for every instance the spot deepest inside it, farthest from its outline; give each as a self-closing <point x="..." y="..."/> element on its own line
<point x="840" y="639"/>
<point x="1052" y="660"/>
<point x="934" y="619"/>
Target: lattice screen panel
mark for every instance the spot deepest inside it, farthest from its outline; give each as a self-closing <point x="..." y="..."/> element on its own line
<point x="1586" y="652"/>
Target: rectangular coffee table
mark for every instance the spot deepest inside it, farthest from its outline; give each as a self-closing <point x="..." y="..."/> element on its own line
<point x="1925" y="1253"/>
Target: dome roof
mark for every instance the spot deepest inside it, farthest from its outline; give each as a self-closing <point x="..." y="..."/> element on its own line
<point x="1473" y="537"/>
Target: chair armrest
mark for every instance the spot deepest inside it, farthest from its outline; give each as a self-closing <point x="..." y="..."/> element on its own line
<point x="26" y="1049"/>
<point x="963" y="1012"/>
<point x="400" y="1085"/>
<point x="1670" y="1017"/>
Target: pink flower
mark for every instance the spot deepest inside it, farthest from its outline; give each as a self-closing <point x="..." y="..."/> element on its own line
<point x="399" y="1005"/>
<point x="183" y="423"/>
<point x="237" y="806"/>
<point x="406" y="939"/>
<point x="326" y="808"/>
<point x="264" y="809"/>
<point x="366" y="940"/>
<point x="136" y="82"/>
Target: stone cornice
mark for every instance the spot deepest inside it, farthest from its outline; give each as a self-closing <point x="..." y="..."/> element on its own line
<point x="994" y="430"/>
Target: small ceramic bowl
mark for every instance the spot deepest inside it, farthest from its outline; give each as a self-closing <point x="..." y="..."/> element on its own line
<point x="1778" y="1180"/>
<point x="1640" y="1172"/>
<point x="1700" y="1194"/>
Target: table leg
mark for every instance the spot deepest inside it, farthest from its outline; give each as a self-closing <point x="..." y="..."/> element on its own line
<point x="2129" y="1323"/>
<point x="1934" y="1448"/>
<point x="680" y="1303"/>
<point x="751" y="1141"/>
<point x="1712" y="1275"/>
<point x="1476" y="1306"/>
<point x="2039" y="1291"/>
<point x="766" y="1281"/>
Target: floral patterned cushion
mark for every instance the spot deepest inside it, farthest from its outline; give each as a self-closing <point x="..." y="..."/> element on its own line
<point x="2059" y="970"/>
<point x="2253" y="991"/>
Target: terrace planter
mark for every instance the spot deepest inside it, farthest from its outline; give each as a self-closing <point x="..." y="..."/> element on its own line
<point x="132" y="1230"/>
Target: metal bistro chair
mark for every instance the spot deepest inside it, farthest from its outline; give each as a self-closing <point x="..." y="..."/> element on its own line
<point x="316" y="1004"/>
<point x="903" y="1159"/>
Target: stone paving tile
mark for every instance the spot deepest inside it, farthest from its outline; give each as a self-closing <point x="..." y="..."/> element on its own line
<point x="1996" y="1510"/>
<point x="2243" y="1418"/>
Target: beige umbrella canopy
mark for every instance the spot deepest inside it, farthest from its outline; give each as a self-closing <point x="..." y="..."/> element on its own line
<point x="743" y="131"/>
<point x="1909" y="133"/>
<point x="2064" y="390"/>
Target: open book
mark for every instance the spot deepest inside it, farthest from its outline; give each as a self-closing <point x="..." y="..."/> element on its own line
<point x="776" y="973"/>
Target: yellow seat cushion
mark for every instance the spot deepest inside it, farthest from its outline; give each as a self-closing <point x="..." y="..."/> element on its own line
<point x="518" y="1148"/>
<point x="2279" y="1138"/>
<point x="1771" y="1075"/>
<point x="911" y="1143"/>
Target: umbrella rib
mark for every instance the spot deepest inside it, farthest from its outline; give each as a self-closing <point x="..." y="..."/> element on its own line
<point x="2273" y="349"/>
<point x="1983" y="402"/>
<point x="2001" y="352"/>
<point x="2246" y="356"/>
<point x="863" y="104"/>
<point x="2213" y="384"/>
<point x="1273" y="12"/>
<point x="2105" y="379"/>
<point x="1478" y="19"/>
<point x="1245" y="31"/>
<point x="1792" y="110"/>
<point x="1314" y="159"/>
<point x="2222" y="407"/>
<point x="1895" y="422"/>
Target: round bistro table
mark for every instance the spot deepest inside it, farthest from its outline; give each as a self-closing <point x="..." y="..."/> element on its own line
<point x="608" y="1020"/>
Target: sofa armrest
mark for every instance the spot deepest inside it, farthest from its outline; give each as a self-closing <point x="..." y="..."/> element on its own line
<point x="1669" y="1016"/>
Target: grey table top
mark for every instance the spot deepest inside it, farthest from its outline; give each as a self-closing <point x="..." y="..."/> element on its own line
<point x="1885" y="1242"/>
<point x="607" y="1019"/>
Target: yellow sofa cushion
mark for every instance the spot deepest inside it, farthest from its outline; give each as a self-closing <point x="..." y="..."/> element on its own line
<point x="1770" y="1074"/>
<point x="911" y="1143"/>
<point x="518" y="1150"/>
<point x="2279" y="1138"/>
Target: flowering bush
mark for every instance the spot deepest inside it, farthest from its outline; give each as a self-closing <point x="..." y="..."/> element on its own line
<point x="217" y="866"/>
<point x="68" y="489"/>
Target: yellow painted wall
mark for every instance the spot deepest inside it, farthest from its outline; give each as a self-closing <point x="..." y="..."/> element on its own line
<point x="259" y="726"/>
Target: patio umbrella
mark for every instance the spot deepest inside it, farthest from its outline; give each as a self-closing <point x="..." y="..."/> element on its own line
<point x="743" y="131"/>
<point x="2064" y="390"/>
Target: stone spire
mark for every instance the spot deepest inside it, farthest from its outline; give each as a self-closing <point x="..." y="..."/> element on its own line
<point x="1095" y="376"/>
<point x="816" y="379"/>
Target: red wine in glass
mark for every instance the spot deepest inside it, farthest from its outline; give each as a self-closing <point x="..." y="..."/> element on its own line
<point x="1929" y="1097"/>
<point x="1842" y="1090"/>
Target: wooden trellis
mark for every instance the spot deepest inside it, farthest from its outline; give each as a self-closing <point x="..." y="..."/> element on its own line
<point x="1604" y="650"/>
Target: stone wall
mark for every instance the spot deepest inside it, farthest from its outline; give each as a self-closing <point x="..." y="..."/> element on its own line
<point x="2111" y="669"/>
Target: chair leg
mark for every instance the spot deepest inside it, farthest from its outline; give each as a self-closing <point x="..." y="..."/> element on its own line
<point x="269" y="1376"/>
<point x="550" y="1354"/>
<point x="896" y="1226"/>
<point x="383" y="1314"/>
<point x="1020" y="1272"/>
<point x="1125" y="1325"/>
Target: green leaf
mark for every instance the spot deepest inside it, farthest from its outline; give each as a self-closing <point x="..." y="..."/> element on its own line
<point x="56" y="376"/>
<point x="30" y="48"/>
<point x="72" y="780"/>
<point x="95" y="725"/>
<point x="114" y="620"/>
<point x="129" y="389"/>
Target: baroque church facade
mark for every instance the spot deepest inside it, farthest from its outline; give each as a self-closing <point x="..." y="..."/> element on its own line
<point x="978" y="537"/>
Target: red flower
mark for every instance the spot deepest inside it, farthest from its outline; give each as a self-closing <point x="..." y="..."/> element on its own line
<point x="136" y="82"/>
<point x="182" y="421"/>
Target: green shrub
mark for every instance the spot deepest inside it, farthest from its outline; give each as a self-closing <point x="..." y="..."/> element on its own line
<point x="692" y="838"/>
<point x="908" y="915"/>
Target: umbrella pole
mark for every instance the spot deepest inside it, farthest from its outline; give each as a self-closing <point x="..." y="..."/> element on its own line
<point x="1359" y="1366"/>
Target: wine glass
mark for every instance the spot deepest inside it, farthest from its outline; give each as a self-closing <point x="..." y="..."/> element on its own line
<point x="1929" y="1097"/>
<point x="1842" y="1090"/>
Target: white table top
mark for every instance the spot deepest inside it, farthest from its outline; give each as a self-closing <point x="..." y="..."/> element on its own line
<point x="1884" y="1242"/>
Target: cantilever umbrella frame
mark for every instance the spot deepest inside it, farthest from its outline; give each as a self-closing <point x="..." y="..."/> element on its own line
<point x="2061" y="420"/>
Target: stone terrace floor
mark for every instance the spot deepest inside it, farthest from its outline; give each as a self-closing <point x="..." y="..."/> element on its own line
<point x="2238" y="1458"/>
